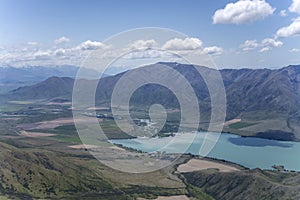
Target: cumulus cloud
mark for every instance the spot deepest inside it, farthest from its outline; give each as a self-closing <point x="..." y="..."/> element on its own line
<point x="148" y="54"/>
<point x="213" y="50"/>
<point x="269" y="42"/>
<point x="295" y="7"/>
<point x="292" y="30"/>
<point x="264" y="49"/>
<point x="31" y="54"/>
<point x="249" y="45"/>
<point x="141" y="44"/>
<point x="283" y="13"/>
<point x="61" y="40"/>
<point x="91" y="45"/>
<point x="37" y="54"/>
<point x="60" y="52"/>
<point x="265" y="45"/>
<point x="42" y="55"/>
<point x="243" y="11"/>
<point x="295" y="50"/>
<point x="186" y="44"/>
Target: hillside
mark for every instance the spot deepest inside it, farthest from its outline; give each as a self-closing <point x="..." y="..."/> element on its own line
<point x="45" y="169"/>
<point x="247" y="184"/>
<point x="44" y="174"/>
<point x="48" y="89"/>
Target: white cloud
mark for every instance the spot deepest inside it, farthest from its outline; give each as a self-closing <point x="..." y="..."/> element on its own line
<point x="26" y="55"/>
<point x="186" y="44"/>
<point x="292" y="30"/>
<point x="295" y="7"/>
<point x="264" y="49"/>
<point x="36" y="54"/>
<point x="249" y="45"/>
<point x="91" y="45"/>
<point x="269" y="42"/>
<point x="60" y="52"/>
<point x="32" y="43"/>
<point x="243" y="11"/>
<point x="146" y="54"/>
<point x="140" y="44"/>
<point x="283" y="13"/>
<point x="42" y="55"/>
<point x="266" y="44"/>
<point x="213" y="50"/>
<point x="295" y="50"/>
<point x="31" y="54"/>
<point x="61" y="40"/>
<point x="6" y="56"/>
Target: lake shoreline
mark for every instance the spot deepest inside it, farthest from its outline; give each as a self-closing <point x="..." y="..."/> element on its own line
<point x="260" y="135"/>
<point x="216" y="160"/>
<point x="247" y="152"/>
<point x="266" y="136"/>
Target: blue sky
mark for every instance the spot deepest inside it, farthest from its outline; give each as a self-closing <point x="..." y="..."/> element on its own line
<point x="245" y="33"/>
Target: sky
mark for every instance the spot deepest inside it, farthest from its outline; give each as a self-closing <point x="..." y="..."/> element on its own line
<point x="235" y="34"/>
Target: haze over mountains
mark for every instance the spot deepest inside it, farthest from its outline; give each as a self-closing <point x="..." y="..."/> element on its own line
<point x="261" y="97"/>
<point x="13" y="77"/>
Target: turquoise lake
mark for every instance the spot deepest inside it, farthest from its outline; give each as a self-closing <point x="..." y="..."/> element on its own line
<point x="247" y="151"/>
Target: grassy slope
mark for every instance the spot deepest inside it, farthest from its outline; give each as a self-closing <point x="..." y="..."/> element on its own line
<point x="45" y="174"/>
<point x="42" y="173"/>
<point x="249" y="184"/>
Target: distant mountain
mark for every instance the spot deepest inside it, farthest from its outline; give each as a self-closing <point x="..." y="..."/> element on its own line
<point x="12" y="77"/>
<point x="247" y="90"/>
<point x="251" y="90"/>
<point x="267" y="101"/>
<point x="51" y="88"/>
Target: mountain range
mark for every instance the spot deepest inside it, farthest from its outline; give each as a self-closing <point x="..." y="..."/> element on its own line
<point x="267" y="101"/>
<point x="14" y="77"/>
